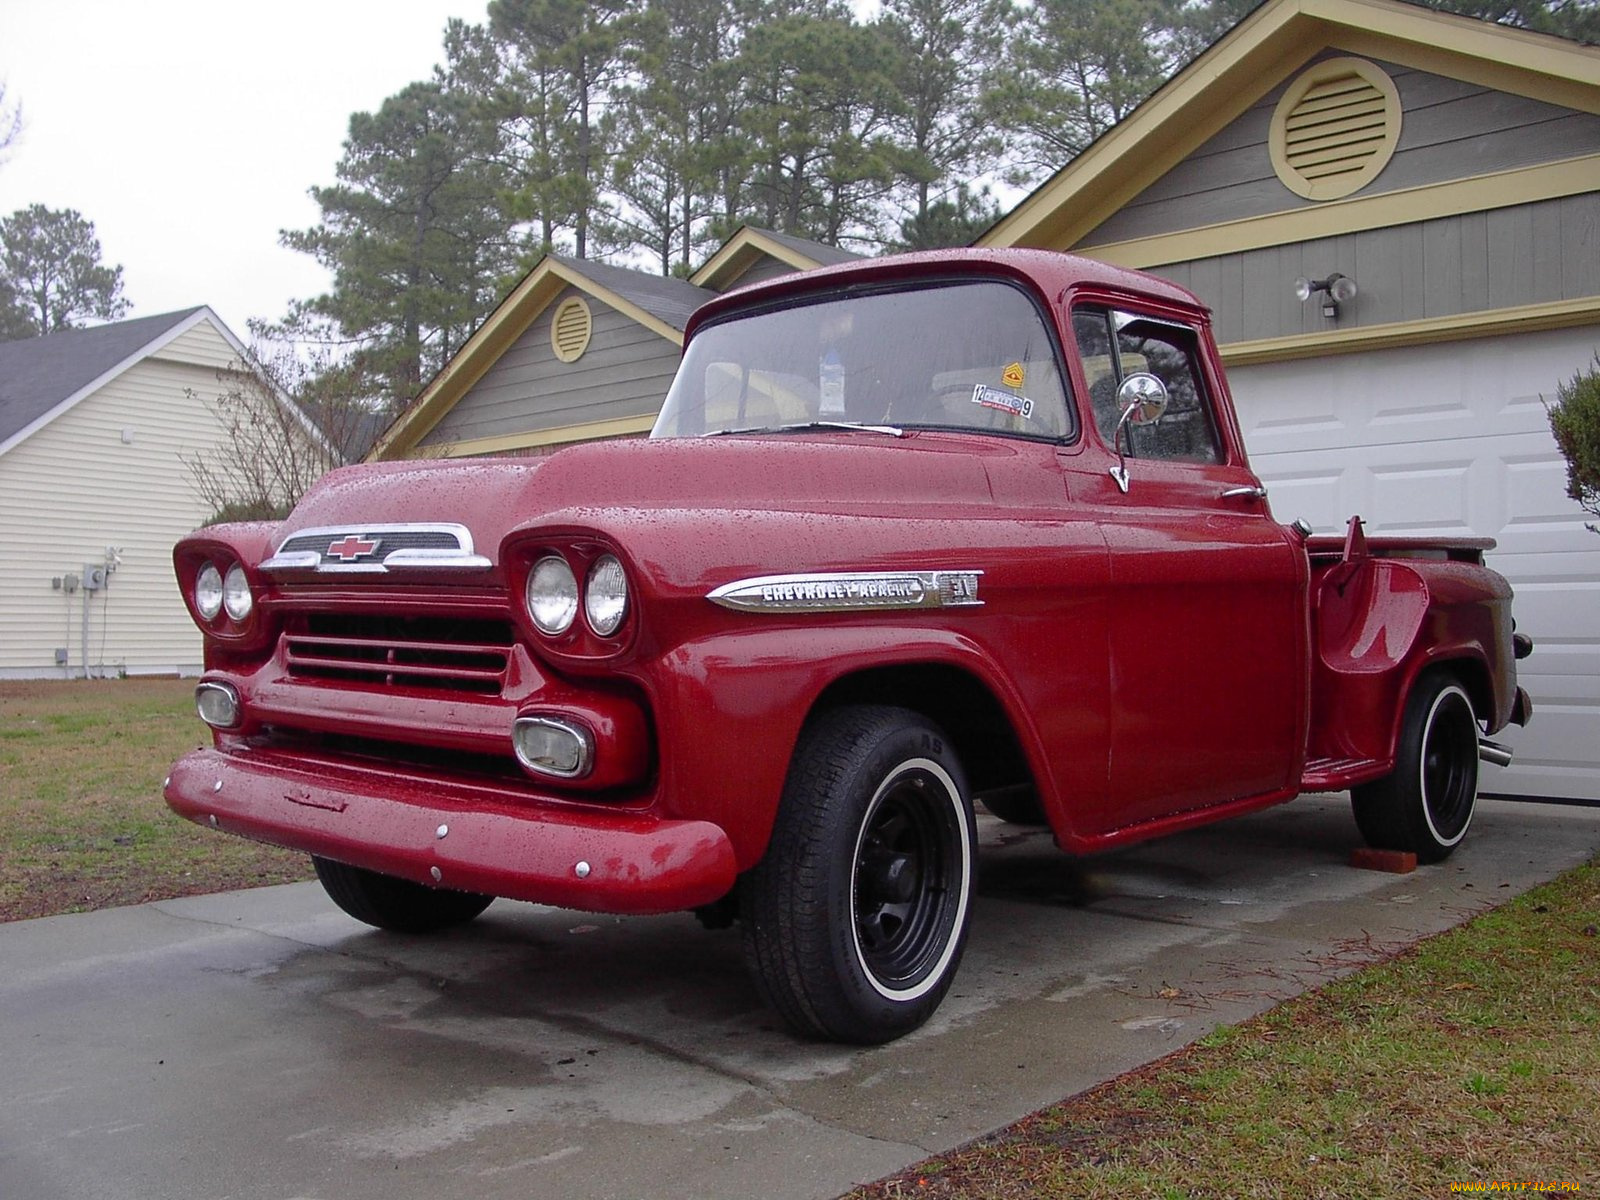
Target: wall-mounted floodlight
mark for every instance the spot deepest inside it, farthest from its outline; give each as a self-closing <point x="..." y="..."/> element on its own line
<point x="1336" y="289"/>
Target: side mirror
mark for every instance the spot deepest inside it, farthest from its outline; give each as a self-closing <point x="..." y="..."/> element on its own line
<point x="1143" y="398"/>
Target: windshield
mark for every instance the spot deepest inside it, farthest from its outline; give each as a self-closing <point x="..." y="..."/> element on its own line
<point x="974" y="356"/>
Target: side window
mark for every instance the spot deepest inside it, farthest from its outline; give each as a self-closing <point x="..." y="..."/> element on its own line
<point x="1114" y="345"/>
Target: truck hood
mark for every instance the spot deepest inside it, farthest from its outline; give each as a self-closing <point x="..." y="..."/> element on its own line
<point x="625" y="487"/>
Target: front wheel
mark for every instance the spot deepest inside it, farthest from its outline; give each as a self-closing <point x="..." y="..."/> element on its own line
<point x="855" y="919"/>
<point x="1426" y="805"/>
<point x="395" y="904"/>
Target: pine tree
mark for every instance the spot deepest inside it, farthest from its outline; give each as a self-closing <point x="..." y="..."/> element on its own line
<point x="943" y="134"/>
<point x="677" y="140"/>
<point x="820" y="102"/>
<point x="51" y="276"/>
<point x="412" y="233"/>
<point x="560" y="60"/>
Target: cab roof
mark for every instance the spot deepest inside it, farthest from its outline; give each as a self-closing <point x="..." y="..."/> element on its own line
<point x="1050" y="272"/>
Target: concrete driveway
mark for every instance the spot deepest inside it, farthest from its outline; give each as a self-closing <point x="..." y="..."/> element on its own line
<point x="261" y="1045"/>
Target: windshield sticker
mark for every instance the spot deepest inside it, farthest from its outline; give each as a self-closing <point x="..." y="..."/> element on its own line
<point x="830" y="385"/>
<point x="989" y="397"/>
<point x="1013" y="376"/>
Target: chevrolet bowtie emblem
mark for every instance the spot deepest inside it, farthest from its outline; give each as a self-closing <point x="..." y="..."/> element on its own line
<point x="352" y="548"/>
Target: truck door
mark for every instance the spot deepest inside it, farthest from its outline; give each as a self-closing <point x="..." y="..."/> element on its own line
<point x="1207" y="594"/>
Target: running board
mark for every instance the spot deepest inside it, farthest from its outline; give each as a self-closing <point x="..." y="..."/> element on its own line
<point x="1337" y="774"/>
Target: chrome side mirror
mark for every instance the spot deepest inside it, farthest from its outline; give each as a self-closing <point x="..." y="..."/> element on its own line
<point x="1143" y="398"/>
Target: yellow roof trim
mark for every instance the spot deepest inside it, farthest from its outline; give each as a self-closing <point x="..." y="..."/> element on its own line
<point x="1530" y="318"/>
<point x="560" y="436"/>
<point x="1262" y="51"/>
<point x="1501" y="189"/>
<point x="508" y="322"/>
<point x="1574" y="90"/>
<point x="1515" y="60"/>
<point x="739" y="253"/>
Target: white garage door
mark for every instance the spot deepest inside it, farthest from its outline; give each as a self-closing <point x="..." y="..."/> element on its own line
<point x="1453" y="439"/>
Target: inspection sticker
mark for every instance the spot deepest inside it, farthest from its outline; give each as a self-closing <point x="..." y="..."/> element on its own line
<point x="990" y="397"/>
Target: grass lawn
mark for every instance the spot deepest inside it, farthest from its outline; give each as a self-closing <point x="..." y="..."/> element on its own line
<point x="82" y="822"/>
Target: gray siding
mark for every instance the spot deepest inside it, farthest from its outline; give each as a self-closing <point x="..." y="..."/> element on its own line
<point x="1529" y="254"/>
<point x="1450" y="129"/>
<point x="765" y="268"/>
<point x="624" y="373"/>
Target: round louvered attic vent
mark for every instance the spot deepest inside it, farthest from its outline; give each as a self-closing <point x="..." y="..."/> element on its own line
<point x="570" y="330"/>
<point x="1335" y="129"/>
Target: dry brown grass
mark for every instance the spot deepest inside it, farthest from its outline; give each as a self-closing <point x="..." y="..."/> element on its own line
<point x="1473" y="1057"/>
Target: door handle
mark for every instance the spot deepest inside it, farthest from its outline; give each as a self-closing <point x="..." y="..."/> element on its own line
<point x="1256" y="492"/>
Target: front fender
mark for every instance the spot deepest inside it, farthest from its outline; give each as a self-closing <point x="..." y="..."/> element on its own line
<point x="730" y="708"/>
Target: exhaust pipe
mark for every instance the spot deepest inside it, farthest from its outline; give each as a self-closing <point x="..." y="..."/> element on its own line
<point x="1494" y="752"/>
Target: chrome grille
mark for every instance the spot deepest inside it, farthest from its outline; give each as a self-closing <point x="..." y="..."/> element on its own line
<point x="442" y="654"/>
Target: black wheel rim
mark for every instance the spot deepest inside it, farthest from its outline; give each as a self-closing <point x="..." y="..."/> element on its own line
<point x="908" y="881"/>
<point x="1449" y="766"/>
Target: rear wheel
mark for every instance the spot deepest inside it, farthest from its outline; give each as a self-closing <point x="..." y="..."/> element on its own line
<point x="855" y="919"/>
<point x="1426" y="805"/>
<point x="396" y="904"/>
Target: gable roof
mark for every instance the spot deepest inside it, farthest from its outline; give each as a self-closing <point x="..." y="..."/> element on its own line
<point x="668" y="299"/>
<point x="43" y="377"/>
<point x="750" y="244"/>
<point x="659" y="303"/>
<point x="1260" y="53"/>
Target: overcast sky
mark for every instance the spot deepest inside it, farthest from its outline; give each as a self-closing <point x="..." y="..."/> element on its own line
<point x="188" y="131"/>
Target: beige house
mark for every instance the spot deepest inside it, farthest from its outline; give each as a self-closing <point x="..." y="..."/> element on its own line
<point x="95" y="494"/>
<point x="1434" y="181"/>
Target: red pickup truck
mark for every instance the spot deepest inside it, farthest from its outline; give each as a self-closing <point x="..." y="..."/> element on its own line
<point x="910" y="534"/>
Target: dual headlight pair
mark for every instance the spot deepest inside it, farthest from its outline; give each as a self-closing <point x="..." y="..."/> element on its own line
<point x="216" y="591"/>
<point x="554" y="597"/>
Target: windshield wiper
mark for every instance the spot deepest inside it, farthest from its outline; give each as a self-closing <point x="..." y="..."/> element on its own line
<point x="891" y="430"/>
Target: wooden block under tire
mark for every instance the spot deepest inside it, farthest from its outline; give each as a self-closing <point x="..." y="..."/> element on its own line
<point x="1396" y="862"/>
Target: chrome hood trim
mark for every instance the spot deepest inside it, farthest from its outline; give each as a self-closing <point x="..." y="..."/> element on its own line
<point x="850" y="591"/>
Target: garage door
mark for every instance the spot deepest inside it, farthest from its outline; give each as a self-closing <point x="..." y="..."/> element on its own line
<point x="1453" y="439"/>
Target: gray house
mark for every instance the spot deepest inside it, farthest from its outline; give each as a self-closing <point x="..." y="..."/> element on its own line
<point x="579" y="351"/>
<point x="1434" y="181"/>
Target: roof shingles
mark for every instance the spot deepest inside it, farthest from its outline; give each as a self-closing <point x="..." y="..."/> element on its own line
<point x="670" y="300"/>
<point x="37" y="374"/>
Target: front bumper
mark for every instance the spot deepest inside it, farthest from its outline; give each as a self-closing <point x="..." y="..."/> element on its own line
<point x="456" y="835"/>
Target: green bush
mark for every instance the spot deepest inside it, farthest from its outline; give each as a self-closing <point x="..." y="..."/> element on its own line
<point x="1575" y="420"/>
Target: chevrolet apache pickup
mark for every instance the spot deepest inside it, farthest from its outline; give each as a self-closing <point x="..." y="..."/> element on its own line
<point x="910" y="534"/>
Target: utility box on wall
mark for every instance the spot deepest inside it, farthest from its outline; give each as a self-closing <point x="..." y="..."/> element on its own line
<point x="94" y="577"/>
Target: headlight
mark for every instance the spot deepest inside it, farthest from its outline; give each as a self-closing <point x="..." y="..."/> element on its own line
<point x="605" y="595"/>
<point x="236" y="597"/>
<point x="208" y="592"/>
<point x="552" y="595"/>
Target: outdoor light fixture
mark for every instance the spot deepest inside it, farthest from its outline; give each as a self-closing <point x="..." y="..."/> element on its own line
<point x="1336" y="289"/>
